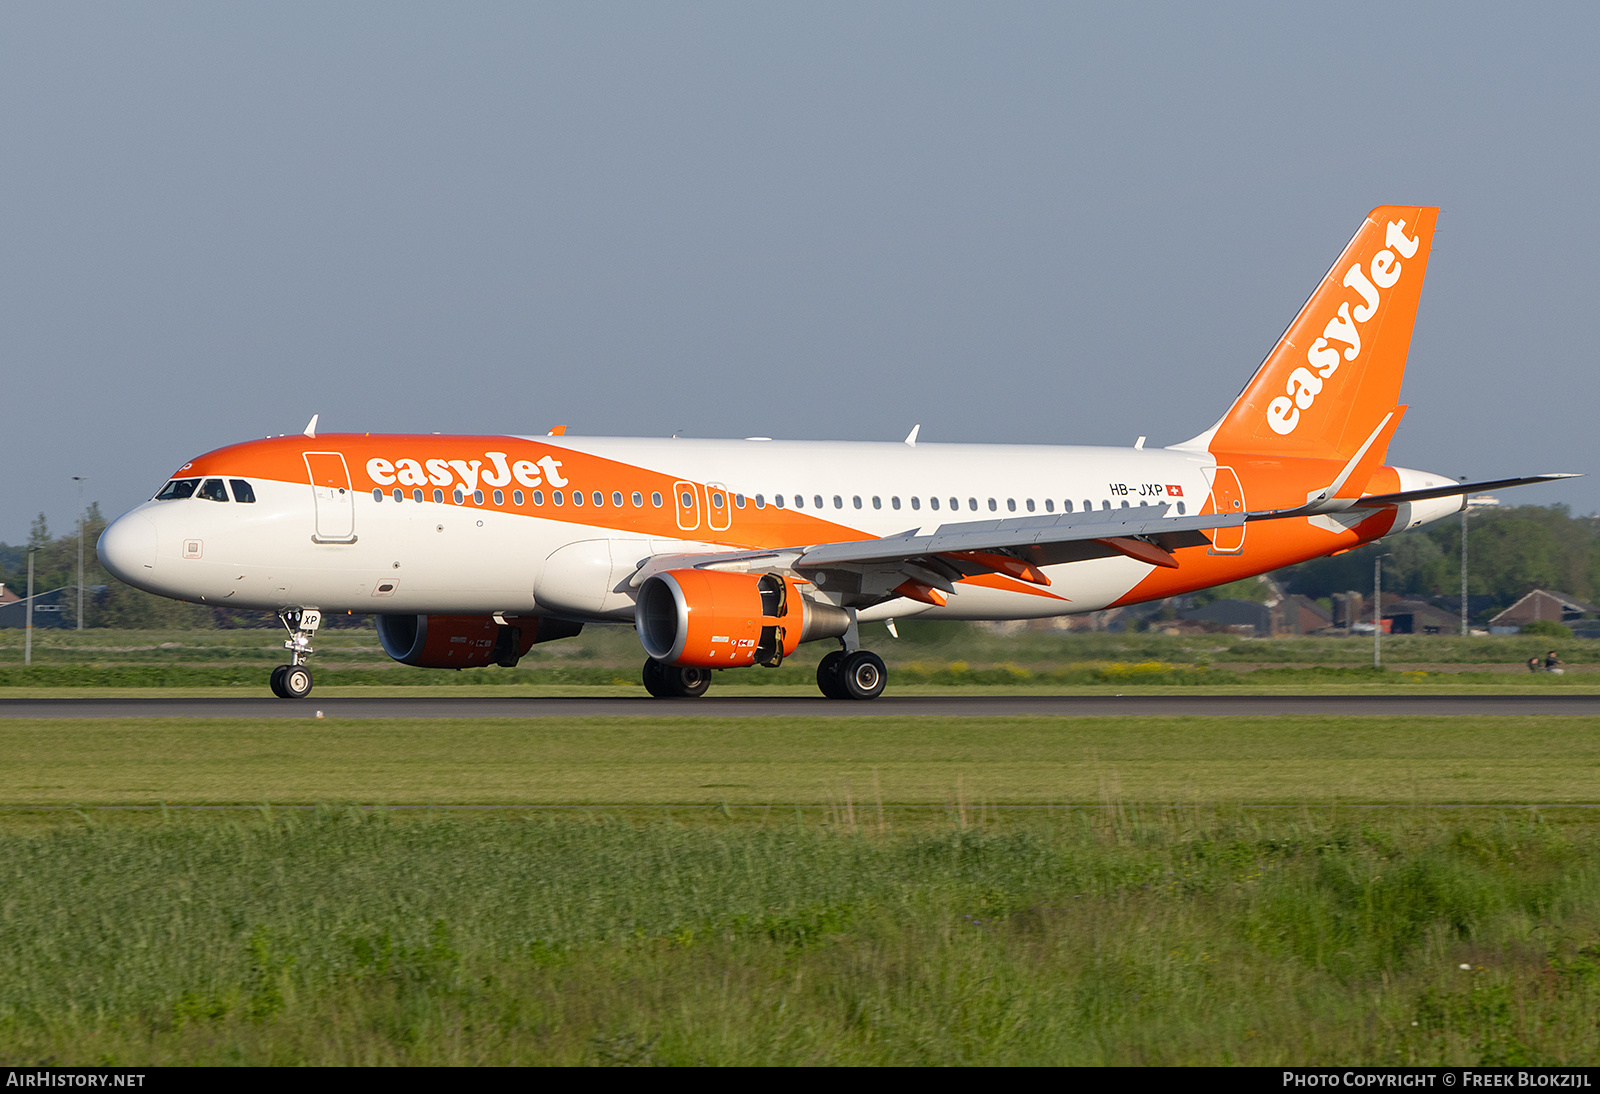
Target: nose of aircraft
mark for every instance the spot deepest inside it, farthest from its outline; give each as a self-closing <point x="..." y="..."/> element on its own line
<point x="127" y="548"/>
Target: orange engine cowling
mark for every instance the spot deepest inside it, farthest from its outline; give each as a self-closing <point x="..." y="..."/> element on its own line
<point x="718" y="619"/>
<point x="466" y="641"/>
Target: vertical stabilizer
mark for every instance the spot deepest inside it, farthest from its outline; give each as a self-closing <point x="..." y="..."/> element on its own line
<point x="1327" y="386"/>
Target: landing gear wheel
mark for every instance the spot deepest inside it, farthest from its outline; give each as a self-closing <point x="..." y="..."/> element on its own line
<point x="296" y="682"/>
<point x="862" y="675"/>
<point x="655" y="680"/>
<point x="828" y="681"/>
<point x="675" y="681"/>
<point x="277" y="681"/>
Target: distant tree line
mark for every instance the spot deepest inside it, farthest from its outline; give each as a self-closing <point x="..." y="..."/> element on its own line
<point x="1510" y="552"/>
<point x="55" y="566"/>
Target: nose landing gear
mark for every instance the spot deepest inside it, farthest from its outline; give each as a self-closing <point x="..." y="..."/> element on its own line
<point x="293" y="681"/>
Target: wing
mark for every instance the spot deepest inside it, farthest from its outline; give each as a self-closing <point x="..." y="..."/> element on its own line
<point x="925" y="567"/>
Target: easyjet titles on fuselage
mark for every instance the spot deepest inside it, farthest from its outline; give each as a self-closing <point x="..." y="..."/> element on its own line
<point x="495" y="469"/>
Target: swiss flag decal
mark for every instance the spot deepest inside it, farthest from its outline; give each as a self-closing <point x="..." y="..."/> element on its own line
<point x="1174" y="491"/>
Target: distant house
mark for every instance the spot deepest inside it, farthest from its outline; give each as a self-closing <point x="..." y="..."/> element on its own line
<point x="1418" y="617"/>
<point x="1301" y="615"/>
<point x="1541" y="604"/>
<point x="52" y="609"/>
<point x="1239" y="616"/>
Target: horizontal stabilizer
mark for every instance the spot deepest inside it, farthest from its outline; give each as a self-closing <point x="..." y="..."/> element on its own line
<point x="1459" y="488"/>
<point x="1378" y="501"/>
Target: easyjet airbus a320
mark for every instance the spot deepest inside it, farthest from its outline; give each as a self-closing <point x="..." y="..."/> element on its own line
<point x="728" y="554"/>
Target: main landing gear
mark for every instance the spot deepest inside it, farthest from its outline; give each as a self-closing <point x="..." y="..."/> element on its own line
<point x="666" y="681"/>
<point x="293" y="681"/>
<point x="852" y="674"/>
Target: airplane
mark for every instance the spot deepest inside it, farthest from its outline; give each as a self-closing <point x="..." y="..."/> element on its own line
<point x="725" y="554"/>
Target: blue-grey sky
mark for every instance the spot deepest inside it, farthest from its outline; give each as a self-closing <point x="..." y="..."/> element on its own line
<point x="1031" y="222"/>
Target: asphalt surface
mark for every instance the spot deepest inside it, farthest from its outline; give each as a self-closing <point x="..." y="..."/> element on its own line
<point x="713" y="706"/>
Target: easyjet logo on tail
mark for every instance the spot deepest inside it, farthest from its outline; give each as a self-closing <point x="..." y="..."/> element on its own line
<point x="1341" y="338"/>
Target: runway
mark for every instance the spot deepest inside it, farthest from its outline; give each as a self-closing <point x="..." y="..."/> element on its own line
<point x="711" y="706"/>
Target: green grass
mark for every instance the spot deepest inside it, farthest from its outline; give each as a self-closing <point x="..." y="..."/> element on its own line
<point x="935" y="644"/>
<point x="796" y="674"/>
<point x="1118" y="934"/>
<point x="761" y="761"/>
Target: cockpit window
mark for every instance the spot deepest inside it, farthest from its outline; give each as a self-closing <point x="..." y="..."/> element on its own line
<point x="213" y="490"/>
<point x="242" y="491"/>
<point x="178" y="488"/>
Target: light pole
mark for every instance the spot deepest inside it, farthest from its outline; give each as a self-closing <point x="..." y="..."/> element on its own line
<point x="79" y="479"/>
<point x="1466" y="632"/>
<point x="1467" y="506"/>
<point x="27" y="631"/>
<point x="1377" y="609"/>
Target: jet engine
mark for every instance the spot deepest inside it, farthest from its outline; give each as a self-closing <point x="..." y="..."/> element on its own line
<point x="466" y="641"/>
<point x="720" y="619"/>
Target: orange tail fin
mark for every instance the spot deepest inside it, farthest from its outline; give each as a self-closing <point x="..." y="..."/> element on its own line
<point x="1335" y="374"/>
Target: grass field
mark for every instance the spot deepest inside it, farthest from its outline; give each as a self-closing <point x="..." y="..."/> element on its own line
<point x="926" y="891"/>
<point x="1110" y="935"/>
<point x="783" y="762"/>
<point x="928" y="654"/>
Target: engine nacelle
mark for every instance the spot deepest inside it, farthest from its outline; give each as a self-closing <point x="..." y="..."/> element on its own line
<point x="720" y="619"/>
<point x="466" y="641"/>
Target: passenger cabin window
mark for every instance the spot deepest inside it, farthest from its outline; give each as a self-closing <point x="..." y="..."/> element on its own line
<point x="638" y="500"/>
<point x="416" y="494"/>
<point x="459" y="497"/>
<point x="972" y="503"/>
<point x="933" y="503"/>
<point x="577" y="497"/>
<point x="761" y="501"/>
<point x="916" y="503"/>
<point x="1066" y="506"/>
<point x="598" y="498"/>
<point x="877" y="502"/>
<point x="655" y="500"/>
<point x="838" y="502"/>
<point x="377" y="493"/>
<point x="178" y="489"/>
<point x="799" y="501"/>
<point x="778" y="501"/>
<point x="894" y="502"/>
<point x="738" y="501"/>
<point x="399" y="494"/>
<point x="1180" y="508"/>
<point x="1011" y="505"/>
<point x="243" y="493"/>
<point x="538" y="497"/>
<point x="516" y="497"/>
<point x="616" y="498"/>
<point x="213" y="490"/>
<point x="1030" y="505"/>
<point x="477" y="497"/>
<point x="499" y="497"/>
<point x="817" y="498"/>
<point x="555" y="496"/>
